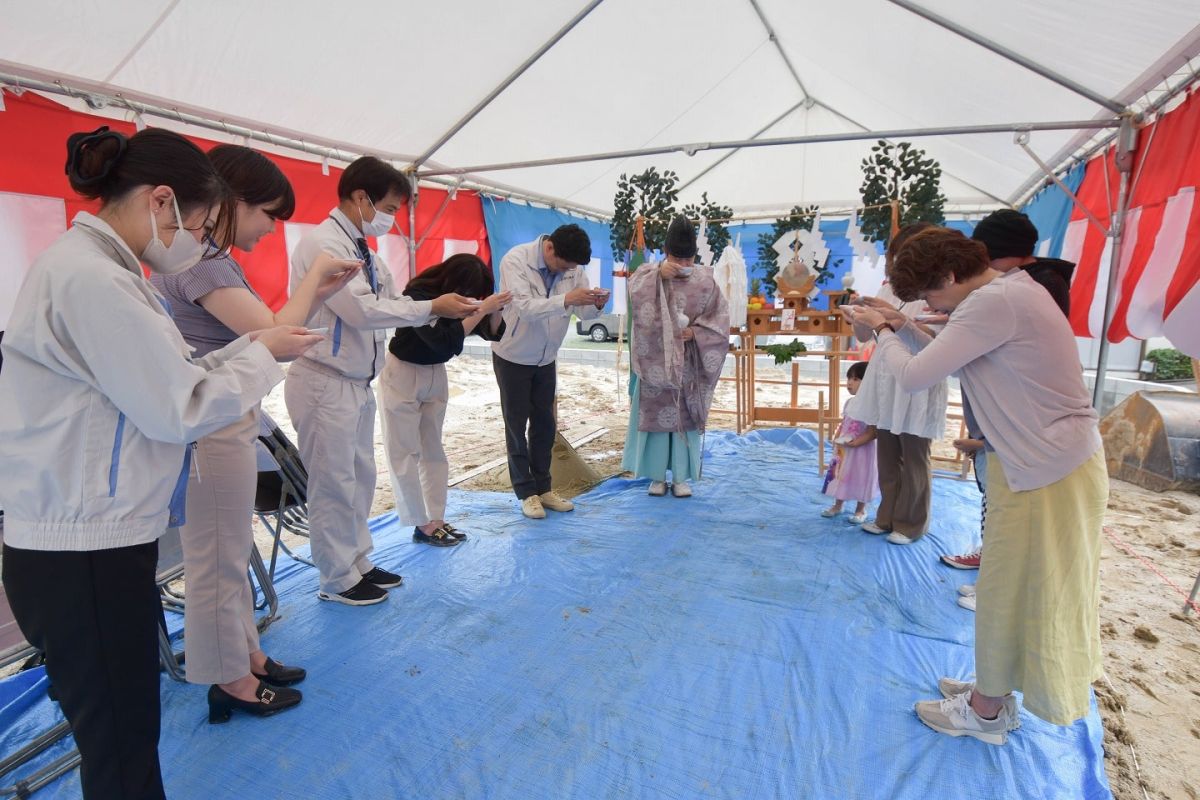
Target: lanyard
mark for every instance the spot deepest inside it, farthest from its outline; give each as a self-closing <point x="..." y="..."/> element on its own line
<point x="364" y="252"/>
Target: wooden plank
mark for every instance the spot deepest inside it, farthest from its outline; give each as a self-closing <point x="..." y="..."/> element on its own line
<point x="496" y="462"/>
<point x="771" y="414"/>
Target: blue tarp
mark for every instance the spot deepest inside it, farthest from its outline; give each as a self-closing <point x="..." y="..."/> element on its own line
<point x="734" y="645"/>
<point x="1050" y="211"/>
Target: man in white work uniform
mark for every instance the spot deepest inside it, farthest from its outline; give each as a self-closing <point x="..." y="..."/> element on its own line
<point x="328" y="392"/>
<point x="547" y="287"/>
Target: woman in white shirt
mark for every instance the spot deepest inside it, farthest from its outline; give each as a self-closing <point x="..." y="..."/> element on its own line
<point x="906" y="425"/>
<point x="98" y="402"/>
<point x="1037" y="599"/>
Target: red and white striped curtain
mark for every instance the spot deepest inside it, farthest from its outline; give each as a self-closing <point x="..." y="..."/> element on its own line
<point x="1158" y="283"/>
<point x="37" y="204"/>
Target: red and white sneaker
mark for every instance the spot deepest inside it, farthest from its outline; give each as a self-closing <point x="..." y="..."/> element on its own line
<point x="965" y="561"/>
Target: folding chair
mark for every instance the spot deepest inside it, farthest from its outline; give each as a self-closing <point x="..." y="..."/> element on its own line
<point x="170" y="569"/>
<point x="282" y="495"/>
<point x="14" y="648"/>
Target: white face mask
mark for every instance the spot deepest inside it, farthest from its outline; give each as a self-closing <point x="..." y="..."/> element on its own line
<point x="378" y="226"/>
<point x="184" y="253"/>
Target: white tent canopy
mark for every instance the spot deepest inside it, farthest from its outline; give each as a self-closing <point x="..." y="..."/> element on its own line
<point x="393" y="78"/>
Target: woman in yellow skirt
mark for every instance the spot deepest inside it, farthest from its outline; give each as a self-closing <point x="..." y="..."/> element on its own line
<point x="1037" y="625"/>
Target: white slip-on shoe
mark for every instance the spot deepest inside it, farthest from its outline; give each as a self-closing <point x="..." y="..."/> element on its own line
<point x="658" y="488"/>
<point x="899" y="538"/>
<point x="681" y="490"/>
<point x="967" y="590"/>
<point x="967" y="602"/>
<point x="532" y="507"/>
<point x="871" y="527"/>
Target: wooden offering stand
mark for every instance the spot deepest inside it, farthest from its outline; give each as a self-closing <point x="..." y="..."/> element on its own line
<point x="803" y="322"/>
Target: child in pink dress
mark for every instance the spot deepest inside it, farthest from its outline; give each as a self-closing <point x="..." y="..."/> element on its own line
<point x="853" y="473"/>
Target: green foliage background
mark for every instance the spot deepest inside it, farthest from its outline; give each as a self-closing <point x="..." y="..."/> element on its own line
<point x="899" y="172"/>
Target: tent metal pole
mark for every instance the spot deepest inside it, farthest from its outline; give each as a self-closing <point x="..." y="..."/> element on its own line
<point x="517" y="73"/>
<point x="98" y="98"/>
<point x="412" y="227"/>
<point x="848" y="136"/>
<point x="437" y="215"/>
<point x="1126" y="145"/>
<point x="1011" y="55"/>
<point x="1070" y="152"/>
<point x="1023" y="141"/>
<point x="754" y="135"/>
<point x="860" y="126"/>
<point x="774" y="38"/>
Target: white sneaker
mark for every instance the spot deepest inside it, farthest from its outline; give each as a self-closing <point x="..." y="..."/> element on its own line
<point x="967" y="602"/>
<point x="899" y="538"/>
<point x="967" y="590"/>
<point x="532" y="507"/>
<point x="955" y="717"/>
<point x="681" y="490"/>
<point x="871" y="527"/>
<point x="950" y="687"/>
<point x="555" y="502"/>
<point x="658" y="488"/>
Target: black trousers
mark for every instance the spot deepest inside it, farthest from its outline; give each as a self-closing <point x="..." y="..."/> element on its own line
<point x="96" y="615"/>
<point x="527" y="402"/>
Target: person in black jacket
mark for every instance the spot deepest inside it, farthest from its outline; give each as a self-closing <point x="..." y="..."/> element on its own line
<point x="414" y="391"/>
<point x="1010" y="238"/>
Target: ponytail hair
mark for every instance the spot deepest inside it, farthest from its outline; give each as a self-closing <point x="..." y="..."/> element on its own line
<point x="106" y="165"/>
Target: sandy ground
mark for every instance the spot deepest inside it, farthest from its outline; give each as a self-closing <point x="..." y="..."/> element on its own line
<point x="1150" y="696"/>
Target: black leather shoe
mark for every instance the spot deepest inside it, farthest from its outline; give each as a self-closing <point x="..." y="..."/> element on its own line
<point x="439" y="538"/>
<point x="277" y="674"/>
<point x="271" y="700"/>
<point x="382" y="578"/>
<point x="453" y="531"/>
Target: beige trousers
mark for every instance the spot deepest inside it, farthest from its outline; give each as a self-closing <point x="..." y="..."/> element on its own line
<point x="413" y="398"/>
<point x="334" y="419"/>
<point x="218" y="623"/>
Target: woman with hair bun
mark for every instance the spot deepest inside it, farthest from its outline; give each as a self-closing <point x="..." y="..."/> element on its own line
<point x="99" y="399"/>
<point x="213" y="305"/>
<point x="678" y="342"/>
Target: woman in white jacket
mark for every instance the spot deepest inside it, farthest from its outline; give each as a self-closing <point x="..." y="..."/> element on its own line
<point x="99" y="400"/>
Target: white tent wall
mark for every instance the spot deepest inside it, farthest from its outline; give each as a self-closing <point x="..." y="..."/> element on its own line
<point x="393" y="77"/>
